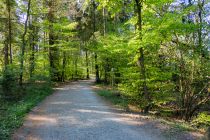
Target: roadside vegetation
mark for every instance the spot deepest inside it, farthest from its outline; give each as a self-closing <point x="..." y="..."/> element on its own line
<point x="12" y="113"/>
<point x="199" y="123"/>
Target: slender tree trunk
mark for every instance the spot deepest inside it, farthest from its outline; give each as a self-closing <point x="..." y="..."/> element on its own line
<point x="106" y="60"/>
<point x="6" y="54"/>
<point x="33" y="40"/>
<point x="94" y="30"/>
<point x="139" y="4"/>
<point x="24" y="44"/>
<point x="53" y="50"/>
<point x="104" y="21"/>
<point x="200" y="6"/>
<point x="51" y="43"/>
<point x="7" y="36"/>
<point x="97" y="69"/>
<point x="8" y="4"/>
<point x="63" y="67"/>
<point x="106" y="69"/>
<point x="87" y="64"/>
<point x="76" y="70"/>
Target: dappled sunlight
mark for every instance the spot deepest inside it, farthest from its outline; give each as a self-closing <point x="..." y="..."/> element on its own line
<point x="124" y="121"/>
<point x="92" y="111"/>
<point x="111" y="116"/>
<point x="60" y="103"/>
<point x="30" y="137"/>
<point x="33" y="138"/>
<point x="79" y="88"/>
<point x="42" y="119"/>
<point x="77" y="122"/>
<point x="60" y="88"/>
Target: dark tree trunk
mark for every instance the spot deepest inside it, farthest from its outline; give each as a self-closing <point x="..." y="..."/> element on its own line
<point x="6" y="54"/>
<point x="141" y="58"/>
<point x="76" y="70"/>
<point x="106" y="70"/>
<point x="7" y="42"/>
<point x="24" y="44"/>
<point x="96" y="56"/>
<point x="33" y="42"/>
<point x="97" y="69"/>
<point x="53" y="50"/>
<point x="87" y="65"/>
<point x="106" y="60"/>
<point x="63" y="67"/>
<point x="9" y="29"/>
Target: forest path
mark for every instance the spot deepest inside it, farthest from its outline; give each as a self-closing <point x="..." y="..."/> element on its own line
<point x="75" y="112"/>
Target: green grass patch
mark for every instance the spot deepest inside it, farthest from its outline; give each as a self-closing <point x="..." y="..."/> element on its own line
<point x="202" y="120"/>
<point x="12" y="113"/>
<point x="114" y="98"/>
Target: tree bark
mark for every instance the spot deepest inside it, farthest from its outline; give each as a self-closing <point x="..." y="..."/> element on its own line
<point x="33" y="40"/>
<point x="87" y="64"/>
<point x="6" y="53"/>
<point x="8" y="4"/>
<point x="24" y="43"/>
<point x="141" y="58"/>
<point x="63" y="67"/>
<point x="94" y="30"/>
<point x="53" y="50"/>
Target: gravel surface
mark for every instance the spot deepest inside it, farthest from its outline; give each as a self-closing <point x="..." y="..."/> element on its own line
<point x="75" y="112"/>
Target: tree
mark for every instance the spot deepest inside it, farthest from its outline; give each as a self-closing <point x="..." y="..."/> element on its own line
<point x="24" y="42"/>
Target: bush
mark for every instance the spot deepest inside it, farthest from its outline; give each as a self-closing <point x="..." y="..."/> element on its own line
<point x="12" y="117"/>
<point x="9" y="84"/>
<point x="202" y="120"/>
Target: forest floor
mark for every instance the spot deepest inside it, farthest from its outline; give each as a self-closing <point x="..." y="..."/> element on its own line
<point x="76" y="112"/>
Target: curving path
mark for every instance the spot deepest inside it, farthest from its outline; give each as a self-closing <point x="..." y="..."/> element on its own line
<point x="75" y="112"/>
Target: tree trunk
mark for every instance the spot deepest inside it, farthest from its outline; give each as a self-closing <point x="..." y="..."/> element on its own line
<point x="200" y="6"/>
<point x="141" y="58"/>
<point x="63" y="67"/>
<point x="9" y="37"/>
<point x="76" y="70"/>
<point x="87" y="64"/>
<point x="53" y="50"/>
<point x="94" y="30"/>
<point x="106" y="69"/>
<point x="6" y="54"/>
<point x="106" y="60"/>
<point x="104" y="21"/>
<point x="97" y="69"/>
<point x="24" y="44"/>
<point x="33" y="40"/>
<point x="7" y="42"/>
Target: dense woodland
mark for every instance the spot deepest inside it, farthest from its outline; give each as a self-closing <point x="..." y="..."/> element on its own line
<point x="154" y="52"/>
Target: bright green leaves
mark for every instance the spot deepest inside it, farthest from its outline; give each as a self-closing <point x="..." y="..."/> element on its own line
<point x="71" y="26"/>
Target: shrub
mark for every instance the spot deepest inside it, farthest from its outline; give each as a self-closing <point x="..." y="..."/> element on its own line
<point x="202" y="120"/>
<point x="9" y="84"/>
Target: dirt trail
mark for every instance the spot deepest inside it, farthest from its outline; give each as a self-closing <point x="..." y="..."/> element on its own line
<point x="75" y="112"/>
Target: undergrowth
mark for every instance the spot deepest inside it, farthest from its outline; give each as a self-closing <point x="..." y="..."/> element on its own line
<point x="116" y="99"/>
<point x="199" y="123"/>
<point x="12" y="113"/>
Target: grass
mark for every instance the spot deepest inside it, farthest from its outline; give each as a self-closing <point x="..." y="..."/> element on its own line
<point x="115" y="99"/>
<point x="12" y="113"/>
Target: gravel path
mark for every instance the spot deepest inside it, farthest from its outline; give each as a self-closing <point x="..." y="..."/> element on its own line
<point x="75" y="112"/>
